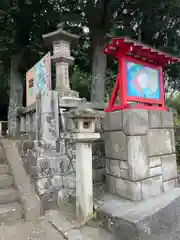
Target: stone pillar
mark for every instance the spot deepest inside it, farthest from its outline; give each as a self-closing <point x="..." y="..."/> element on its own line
<point x="34" y="122"/>
<point x="22" y="123"/>
<point x="29" y="122"/>
<point x="62" y="41"/>
<point x="140" y="153"/>
<point x="38" y="127"/>
<point x="84" y="136"/>
<point x="50" y="118"/>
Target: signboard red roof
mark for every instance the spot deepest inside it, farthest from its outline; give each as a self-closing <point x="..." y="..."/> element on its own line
<point x="139" y="51"/>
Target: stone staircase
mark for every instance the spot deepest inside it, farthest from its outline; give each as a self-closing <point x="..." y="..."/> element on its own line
<point x="10" y="206"/>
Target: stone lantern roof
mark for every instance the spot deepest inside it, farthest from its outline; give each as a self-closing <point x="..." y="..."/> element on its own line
<point x="49" y="38"/>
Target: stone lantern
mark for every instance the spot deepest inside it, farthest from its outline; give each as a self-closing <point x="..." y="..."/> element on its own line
<point x="84" y="135"/>
<point x="62" y="41"/>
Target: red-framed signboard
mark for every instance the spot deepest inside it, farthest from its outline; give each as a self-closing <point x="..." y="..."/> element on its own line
<point x="140" y="75"/>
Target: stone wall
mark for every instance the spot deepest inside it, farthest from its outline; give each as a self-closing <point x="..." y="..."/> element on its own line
<point x="26" y="120"/>
<point x="98" y="153"/>
<point x="140" y="153"/>
<point x="50" y="160"/>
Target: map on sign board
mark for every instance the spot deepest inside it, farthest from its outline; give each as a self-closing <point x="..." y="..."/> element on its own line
<point x="142" y="81"/>
<point x="38" y="79"/>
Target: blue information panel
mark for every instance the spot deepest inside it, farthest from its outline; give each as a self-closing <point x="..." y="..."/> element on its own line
<point x="38" y="79"/>
<point x="142" y="81"/>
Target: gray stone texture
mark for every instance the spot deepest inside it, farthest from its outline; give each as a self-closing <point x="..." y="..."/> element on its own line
<point x="28" y="197"/>
<point x="173" y="140"/>
<point x="135" y="122"/>
<point x="140" y="152"/>
<point x="115" y="145"/>
<point x="112" y="121"/>
<point x="167" y="119"/>
<point x="151" y="186"/>
<point x="156" y="218"/>
<point x="159" y="142"/>
<point x="169" y="167"/>
<point x="155" y="171"/>
<point x="50" y="118"/>
<point x="110" y="184"/>
<point x="51" y="164"/>
<point x="22" y="124"/>
<point x="114" y="168"/>
<point x="128" y="189"/>
<point x="154" y="162"/>
<point x="170" y="185"/>
<point x="137" y="157"/>
<point x="154" y="119"/>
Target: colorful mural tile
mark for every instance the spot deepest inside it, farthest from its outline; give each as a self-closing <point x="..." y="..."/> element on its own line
<point x="142" y="81"/>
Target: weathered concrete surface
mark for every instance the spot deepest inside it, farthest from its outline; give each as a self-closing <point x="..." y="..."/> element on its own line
<point x="135" y="122"/>
<point x="155" y="218"/>
<point x="137" y="157"/>
<point x="39" y="230"/>
<point x="115" y="145"/>
<point x="10" y="212"/>
<point x="64" y="220"/>
<point x="9" y="195"/>
<point x="112" y="121"/>
<point x="159" y="142"/>
<point x="169" y="167"/>
<point x="151" y="186"/>
<point x="154" y="119"/>
<point x="29" y="199"/>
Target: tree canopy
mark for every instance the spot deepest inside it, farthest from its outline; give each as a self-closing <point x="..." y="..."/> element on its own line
<point x="153" y="22"/>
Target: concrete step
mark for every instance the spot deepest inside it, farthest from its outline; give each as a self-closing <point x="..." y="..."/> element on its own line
<point x="36" y="230"/>
<point x="2" y="154"/>
<point x="4" y="168"/>
<point x="2" y="158"/>
<point x="9" y="195"/>
<point x="10" y="213"/>
<point x="6" y="181"/>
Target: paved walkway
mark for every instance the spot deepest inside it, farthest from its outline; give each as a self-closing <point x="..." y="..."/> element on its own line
<point x="40" y="230"/>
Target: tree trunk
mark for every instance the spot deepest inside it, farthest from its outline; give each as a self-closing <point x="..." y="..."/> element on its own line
<point x="99" y="64"/>
<point x="16" y="92"/>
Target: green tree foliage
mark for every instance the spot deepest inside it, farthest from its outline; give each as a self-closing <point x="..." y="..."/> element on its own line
<point x="174" y="103"/>
<point x="22" y="26"/>
<point x="21" y="29"/>
<point x="80" y="82"/>
<point x="154" y="22"/>
<point x="4" y="4"/>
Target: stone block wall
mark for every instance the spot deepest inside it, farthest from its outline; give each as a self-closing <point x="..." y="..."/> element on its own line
<point x="52" y="168"/>
<point x="140" y="153"/>
<point x="98" y="161"/>
<point x="98" y="153"/>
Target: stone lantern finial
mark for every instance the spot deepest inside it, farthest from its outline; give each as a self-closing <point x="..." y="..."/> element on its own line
<point x="60" y="25"/>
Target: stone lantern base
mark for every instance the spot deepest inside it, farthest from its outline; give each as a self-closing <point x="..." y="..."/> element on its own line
<point x="67" y="93"/>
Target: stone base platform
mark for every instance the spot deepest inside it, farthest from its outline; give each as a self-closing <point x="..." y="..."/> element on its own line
<point x="156" y="218"/>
